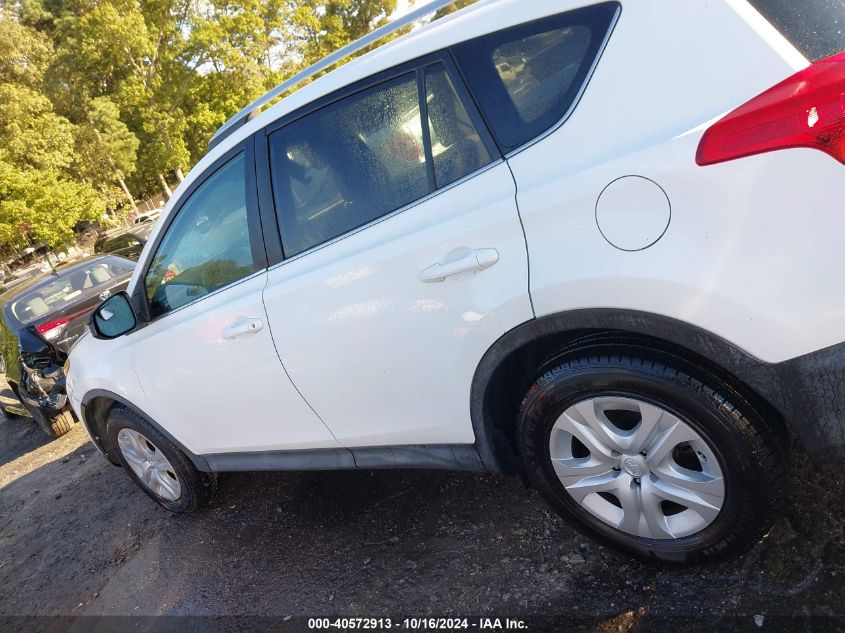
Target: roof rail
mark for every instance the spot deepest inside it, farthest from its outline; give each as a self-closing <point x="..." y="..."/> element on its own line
<point x="250" y="111"/>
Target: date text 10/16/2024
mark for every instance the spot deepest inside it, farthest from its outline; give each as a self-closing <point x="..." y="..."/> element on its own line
<point x="417" y="624"/>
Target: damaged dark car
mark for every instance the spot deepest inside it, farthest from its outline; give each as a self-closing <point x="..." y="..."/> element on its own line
<point x="41" y="320"/>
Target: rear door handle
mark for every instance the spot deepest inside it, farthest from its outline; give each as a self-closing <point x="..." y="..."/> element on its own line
<point x="469" y="261"/>
<point x="242" y="327"/>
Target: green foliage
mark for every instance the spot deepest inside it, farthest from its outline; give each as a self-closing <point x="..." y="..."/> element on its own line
<point x="107" y="150"/>
<point x="42" y="205"/>
<point x="453" y="7"/>
<point x="326" y="25"/>
<point x="118" y="146"/>
<point x="31" y="133"/>
<point x="40" y="197"/>
<point x="24" y="53"/>
<point x="101" y="93"/>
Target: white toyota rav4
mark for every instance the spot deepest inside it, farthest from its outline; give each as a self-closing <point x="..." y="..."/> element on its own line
<point x="596" y="243"/>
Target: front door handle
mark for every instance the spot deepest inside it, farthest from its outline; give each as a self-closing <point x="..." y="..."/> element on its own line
<point x="243" y="326"/>
<point x="463" y="261"/>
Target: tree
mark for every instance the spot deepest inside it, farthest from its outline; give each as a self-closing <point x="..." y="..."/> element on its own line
<point x="38" y="195"/>
<point x="24" y="53"/>
<point x="108" y="148"/>
<point x="43" y="205"/>
<point x="323" y="26"/>
<point x="32" y="134"/>
<point x="236" y="51"/>
<point x="101" y="93"/>
<point x="452" y="8"/>
<point x="128" y="52"/>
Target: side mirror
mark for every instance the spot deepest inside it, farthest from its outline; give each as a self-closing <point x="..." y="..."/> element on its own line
<point x="115" y="317"/>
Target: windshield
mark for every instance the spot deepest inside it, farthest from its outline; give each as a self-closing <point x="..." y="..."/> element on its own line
<point x="63" y="289"/>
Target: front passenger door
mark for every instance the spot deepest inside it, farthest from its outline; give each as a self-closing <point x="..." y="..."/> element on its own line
<point x="206" y="360"/>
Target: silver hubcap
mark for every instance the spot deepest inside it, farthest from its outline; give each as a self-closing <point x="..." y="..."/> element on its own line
<point x="637" y="467"/>
<point x="149" y="463"/>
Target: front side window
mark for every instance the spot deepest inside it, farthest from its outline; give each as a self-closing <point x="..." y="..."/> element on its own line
<point x="527" y="77"/>
<point x="207" y="246"/>
<point x="348" y="164"/>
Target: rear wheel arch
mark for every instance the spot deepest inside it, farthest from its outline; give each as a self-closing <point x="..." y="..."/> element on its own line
<point x="517" y="359"/>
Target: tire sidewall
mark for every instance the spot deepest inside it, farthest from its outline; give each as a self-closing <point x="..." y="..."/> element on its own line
<point x="121" y="419"/>
<point x="713" y="419"/>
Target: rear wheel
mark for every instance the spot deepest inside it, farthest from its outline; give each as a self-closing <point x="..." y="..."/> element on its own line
<point x="652" y="455"/>
<point x="158" y="466"/>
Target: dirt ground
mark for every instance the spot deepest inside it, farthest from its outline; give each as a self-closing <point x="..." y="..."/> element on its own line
<point x="77" y="538"/>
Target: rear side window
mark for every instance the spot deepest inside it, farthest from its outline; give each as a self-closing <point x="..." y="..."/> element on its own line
<point x="815" y="27"/>
<point x="349" y="163"/>
<point x="368" y="154"/>
<point x="526" y="78"/>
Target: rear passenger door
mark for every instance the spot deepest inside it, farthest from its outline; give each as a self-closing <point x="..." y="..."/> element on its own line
<point x="529" y="80"/>
<point x="404" y="255"/>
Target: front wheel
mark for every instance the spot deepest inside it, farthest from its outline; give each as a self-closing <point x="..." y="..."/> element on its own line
<point x="651" y="455"/>
<point x="158" y="466"/>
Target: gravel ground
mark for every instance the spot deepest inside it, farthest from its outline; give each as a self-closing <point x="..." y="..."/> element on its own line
<point x="77" y="538"/>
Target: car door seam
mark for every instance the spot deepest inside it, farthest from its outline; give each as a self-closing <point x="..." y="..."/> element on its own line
<point x="138" y="378"/>
<point x="524" y="236"/>
<point x="285" y="369"/>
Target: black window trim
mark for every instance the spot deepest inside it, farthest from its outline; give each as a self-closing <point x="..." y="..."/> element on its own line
<point x="467" y="100"/>
<point x="139" y="294"/>
<point x="426" y="131"/>
<point x="275" y="250"/>
<point x="508" y="154"/>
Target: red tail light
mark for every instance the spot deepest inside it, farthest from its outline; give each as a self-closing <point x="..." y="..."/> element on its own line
<point x="52" y="329"/>
<point x="806" y="110"/>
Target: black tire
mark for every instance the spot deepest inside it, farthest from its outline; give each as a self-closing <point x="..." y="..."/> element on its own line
<point x="56" y="426"/>
<point x="751" y="455"/>
<point x="61" y="424"/>
<point x="196" y="487"/>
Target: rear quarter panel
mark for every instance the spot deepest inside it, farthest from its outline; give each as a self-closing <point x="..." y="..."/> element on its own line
<point x="753" y="247"/>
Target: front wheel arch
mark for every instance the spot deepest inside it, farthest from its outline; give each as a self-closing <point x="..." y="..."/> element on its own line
<point x="96" y="406"/>
<point x="517" y="358"/>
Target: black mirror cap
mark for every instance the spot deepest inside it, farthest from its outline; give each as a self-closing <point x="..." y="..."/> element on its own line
<point x="118" y="319"/>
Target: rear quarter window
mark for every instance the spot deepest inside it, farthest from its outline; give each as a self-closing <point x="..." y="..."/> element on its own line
<point x="814" y="27"/>
<point x="526" y="78"/>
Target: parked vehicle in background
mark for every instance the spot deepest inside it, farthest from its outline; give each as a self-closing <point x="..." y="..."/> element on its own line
<point x="150" y="216"/>
<point x="125" y="242"/>
<point x="21" y="276"/>
<point x="41" y="320"/>
<point x="102" y="237"/>
<point x="525" y="238"/>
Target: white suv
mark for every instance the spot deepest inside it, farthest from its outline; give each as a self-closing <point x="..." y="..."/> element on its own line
<point x="524" y="238"/>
